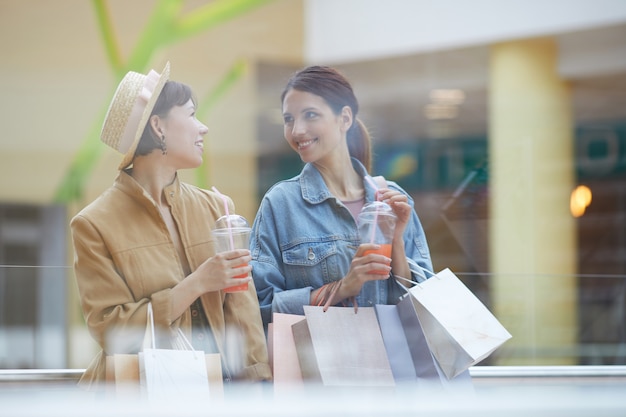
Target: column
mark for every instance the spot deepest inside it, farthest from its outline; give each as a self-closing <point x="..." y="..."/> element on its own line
<point x="532" y="235"/>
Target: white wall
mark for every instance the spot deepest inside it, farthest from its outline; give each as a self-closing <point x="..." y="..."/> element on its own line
<point x="341" y="31"/>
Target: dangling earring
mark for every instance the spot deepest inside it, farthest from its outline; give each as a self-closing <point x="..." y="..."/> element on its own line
<point x="163" y="146"/>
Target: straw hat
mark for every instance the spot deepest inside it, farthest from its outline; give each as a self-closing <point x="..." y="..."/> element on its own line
<point x="129" y="111"/>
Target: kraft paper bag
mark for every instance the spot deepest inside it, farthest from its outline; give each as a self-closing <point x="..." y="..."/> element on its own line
<point x="459" y="329"/>
<point x="122" y="374"/>
<point x="342" y="348"/>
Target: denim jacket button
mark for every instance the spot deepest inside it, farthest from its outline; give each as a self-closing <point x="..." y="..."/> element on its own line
<point x="311" y="254"/>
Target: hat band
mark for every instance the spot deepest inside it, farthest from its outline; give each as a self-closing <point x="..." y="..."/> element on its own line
<point x="132" y="125"/>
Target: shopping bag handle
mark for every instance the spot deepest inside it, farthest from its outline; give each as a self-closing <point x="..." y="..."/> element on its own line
<point x="418" y="270"/>
<point x="407" y="290"/>
<point x="413" y="269"/>
<point x="186" y="343"/>
<point x="409" y="281"/>
<point x="151" y="325"/>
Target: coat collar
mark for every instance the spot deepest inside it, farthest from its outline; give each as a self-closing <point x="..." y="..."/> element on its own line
<point x="127" y="184"/>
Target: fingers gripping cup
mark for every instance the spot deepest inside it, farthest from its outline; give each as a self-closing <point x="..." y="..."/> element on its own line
<point x="232" y="232"/>
<point x="377" y="224"/>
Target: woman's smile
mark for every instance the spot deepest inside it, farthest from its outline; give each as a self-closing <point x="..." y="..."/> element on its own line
<point x="303" y="145"/>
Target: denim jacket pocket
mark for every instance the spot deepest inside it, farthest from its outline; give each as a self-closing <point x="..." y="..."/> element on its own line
<point x="309" y="253"/>
<point x="309" y="263"/>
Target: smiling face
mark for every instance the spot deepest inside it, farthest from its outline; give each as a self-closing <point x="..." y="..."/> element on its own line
<point x="183" y="135"/>
<point x="312" y="129"/>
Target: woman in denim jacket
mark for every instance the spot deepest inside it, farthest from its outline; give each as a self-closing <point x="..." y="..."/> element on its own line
<point x="305" y="243"/>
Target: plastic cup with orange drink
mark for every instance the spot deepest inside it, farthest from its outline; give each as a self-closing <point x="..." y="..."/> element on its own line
<point x="232" y="232"/>
<point x="377" y="224"/>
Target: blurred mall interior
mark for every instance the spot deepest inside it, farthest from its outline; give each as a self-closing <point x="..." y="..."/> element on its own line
<point x="505" y="123"/>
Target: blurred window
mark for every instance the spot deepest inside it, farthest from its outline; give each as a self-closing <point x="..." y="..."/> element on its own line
<point x="33" y="299"/>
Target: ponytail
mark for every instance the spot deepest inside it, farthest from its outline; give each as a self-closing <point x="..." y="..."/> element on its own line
<point x="360" y="143"/>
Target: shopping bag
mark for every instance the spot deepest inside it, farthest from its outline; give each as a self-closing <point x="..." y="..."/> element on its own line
<point x="459" y="329"/>
<point x="168" y="374"/>
<point x="172" y="374"/>
<point x="342" y="348"/>
<point x="396" y="344"/>
<point x="408" y="351"/>
<point x="287" y="375"/>
<point x="122" y="375"/>
<point x="163" y="374"/>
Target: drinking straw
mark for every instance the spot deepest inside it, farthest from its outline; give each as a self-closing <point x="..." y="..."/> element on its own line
<point x="230" y="229"/>
<point x="373" y="184"/>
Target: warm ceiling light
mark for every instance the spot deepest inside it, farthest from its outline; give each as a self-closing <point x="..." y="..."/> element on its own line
<point x="580" y="200"/>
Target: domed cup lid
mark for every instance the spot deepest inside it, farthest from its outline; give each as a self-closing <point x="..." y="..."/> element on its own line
<point x="234" y="221"/>
<point x="376" y="209"/>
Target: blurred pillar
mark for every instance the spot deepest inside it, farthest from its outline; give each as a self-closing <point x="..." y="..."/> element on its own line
<point x="232" y="157"/>
<point x="532" y="233"/>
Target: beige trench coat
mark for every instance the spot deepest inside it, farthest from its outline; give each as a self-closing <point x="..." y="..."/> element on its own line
<point x="125" y="258"/>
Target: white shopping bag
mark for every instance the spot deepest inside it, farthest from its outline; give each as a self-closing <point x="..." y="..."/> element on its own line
<point x="168" y="374"/>
<point x="459" y="329"/>
<point x="172" y="374"/>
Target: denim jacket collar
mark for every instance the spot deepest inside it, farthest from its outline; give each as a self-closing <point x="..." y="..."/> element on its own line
<point x="314" y="189"/>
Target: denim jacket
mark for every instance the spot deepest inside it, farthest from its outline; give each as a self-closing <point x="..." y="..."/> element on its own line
<point x="303" y="237"/>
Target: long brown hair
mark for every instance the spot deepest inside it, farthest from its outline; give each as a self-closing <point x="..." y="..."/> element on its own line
<point x="335" y="89"/>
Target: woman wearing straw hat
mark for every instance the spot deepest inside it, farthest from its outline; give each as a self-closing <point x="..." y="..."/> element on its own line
<point x="305" y="242"/>
<point x="147" y="240"/>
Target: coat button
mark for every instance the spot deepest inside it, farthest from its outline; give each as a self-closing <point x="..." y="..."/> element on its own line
<point x="311" y="255"/>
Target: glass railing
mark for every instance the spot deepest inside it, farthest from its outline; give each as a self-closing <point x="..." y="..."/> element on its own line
<point x="45" y="358"/>
<point x="554" y="319"/>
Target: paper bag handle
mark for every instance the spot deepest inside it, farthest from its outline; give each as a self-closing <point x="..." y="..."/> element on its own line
<point x="415" y="271"/>
<point x="186" y="343"/>
<point x="418" y="270"/>
<point x="151" y="325"/>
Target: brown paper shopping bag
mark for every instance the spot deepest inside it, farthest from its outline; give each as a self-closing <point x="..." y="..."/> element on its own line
<point x="341" y="347"/>
<point x="459" y="329"/>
